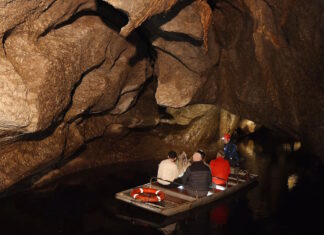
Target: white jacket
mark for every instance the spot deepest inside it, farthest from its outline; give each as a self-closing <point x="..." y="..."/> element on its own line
<point x="168" y="170"/>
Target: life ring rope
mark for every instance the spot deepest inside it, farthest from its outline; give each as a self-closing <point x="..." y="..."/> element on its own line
<point x="148" y="194"/>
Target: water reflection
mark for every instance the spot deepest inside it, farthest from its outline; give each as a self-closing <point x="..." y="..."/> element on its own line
<point x="248" y="149"/>
<point x="84" y="203"/>
<point x="292" y="181"/>
<point x="196" y="224"/>
<point x="169" y="229"/>
<point x="291" y="147"/>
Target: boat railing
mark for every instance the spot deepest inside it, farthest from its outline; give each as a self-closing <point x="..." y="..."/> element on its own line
<point x="180" y="186"/>
<point x="157" y="178"/>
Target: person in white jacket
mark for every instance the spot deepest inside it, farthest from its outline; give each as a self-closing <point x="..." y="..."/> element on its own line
<point x="168" y="170"/>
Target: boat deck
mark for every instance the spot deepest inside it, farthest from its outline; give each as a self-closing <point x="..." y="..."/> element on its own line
<point x="178" y="200"/>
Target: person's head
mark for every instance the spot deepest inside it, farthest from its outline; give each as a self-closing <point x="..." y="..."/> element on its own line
<point x="198" y="156"/>
<point x="226" y="138"/>
<point x="172" y="155"/>
<point x="202" y="153"/>
<point x="220" y="154"/>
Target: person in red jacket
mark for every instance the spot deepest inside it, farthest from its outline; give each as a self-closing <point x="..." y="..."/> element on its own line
<point x="220" y="169"/>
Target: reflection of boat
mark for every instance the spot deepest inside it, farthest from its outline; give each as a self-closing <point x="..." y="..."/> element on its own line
<point x="178" y="200"/>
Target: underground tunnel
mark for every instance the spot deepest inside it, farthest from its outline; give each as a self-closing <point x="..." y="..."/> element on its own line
<point x="95" y="93"/>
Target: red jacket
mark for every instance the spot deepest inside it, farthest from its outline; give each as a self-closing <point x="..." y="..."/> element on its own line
<point x="220" y="168"/>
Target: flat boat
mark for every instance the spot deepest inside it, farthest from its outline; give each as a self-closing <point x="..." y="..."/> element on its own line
<point x="177" y="199"/>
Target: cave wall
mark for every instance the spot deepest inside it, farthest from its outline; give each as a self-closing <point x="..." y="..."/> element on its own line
<point x="272" y="62"/>
<point x="72" y="71"/>
<point x="66" y="77"/>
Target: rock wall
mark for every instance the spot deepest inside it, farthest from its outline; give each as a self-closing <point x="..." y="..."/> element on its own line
<point x="63" y="73"/>
<point x="72" y="71"/>
<point x="271" y="68"/>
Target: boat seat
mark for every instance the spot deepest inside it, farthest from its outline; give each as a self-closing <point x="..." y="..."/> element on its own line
<point x="226" y="181"/>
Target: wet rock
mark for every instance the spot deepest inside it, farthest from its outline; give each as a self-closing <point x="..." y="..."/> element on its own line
<point x="67" y="77"/>
<point x="185" y="115"/>
<point x="139" y="11"/>
<point x="48" y="69"/>
<point x="270" y="63"/>
<point x="186" y="22"/>
<point x="248" y="126"/>
<point x="228" y="122"/>
<point x="182" y="62"/>
<point x="115" y="84"/>
<point x="15" y="112"/>
<point x="60" y="62"/>
<point x="142" y="114"/>
<point x="202" y="125"/>
<point x="74" y="140"/>
<point x="28" y="157"/>
<point x="175" y="89"/>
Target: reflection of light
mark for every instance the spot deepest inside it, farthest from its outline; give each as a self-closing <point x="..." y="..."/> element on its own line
<point x="248" y="148"/>
<point x="220" y="187"/>
<point x="297" y="145"/>
<point x="169" y="229"/>
<point x="180" y="187"/>
<point x="286" y="147"/>
<point x="247" y="125"/>
<point x="289" y="148"/>
<point x="292" y="181"/>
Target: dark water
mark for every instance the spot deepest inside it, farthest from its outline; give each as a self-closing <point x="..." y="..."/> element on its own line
<point x="84" y="203"/>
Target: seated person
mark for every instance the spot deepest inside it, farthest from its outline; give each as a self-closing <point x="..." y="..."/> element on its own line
<point x="220" y="169"/>
<point x="168" y="170"/>
<point x="182" y="163"/>
<point x="197" y="178"/>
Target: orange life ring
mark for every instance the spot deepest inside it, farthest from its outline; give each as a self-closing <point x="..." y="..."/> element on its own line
<point x="147" y="194"/>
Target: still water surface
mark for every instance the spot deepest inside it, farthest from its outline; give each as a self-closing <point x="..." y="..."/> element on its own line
<point x="287" y="200"/>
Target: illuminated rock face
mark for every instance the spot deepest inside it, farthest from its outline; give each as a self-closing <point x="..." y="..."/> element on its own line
<point x="60" y="63"/>
<point x="68" y="76"/>
<point x="270" y="68"/>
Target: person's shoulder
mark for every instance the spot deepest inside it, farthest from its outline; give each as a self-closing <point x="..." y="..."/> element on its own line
<point x="168" y="162"/>
<point x="232" y="143"/>
<point x="165" y="161"/>
<point x="212" y="162"/>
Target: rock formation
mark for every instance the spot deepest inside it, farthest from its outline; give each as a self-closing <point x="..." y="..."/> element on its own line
<point x="72" y="71"/>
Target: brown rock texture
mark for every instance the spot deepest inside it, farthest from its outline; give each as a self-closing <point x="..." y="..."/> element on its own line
<point x="74" y="71"/>
<point x="139" y="10"/>
<point x="22" y="159"/>
<point x="271" y="68"/>
<point x="182" y="53"/>
<point x="60" y="63"/>
<point x="204" y="124"/>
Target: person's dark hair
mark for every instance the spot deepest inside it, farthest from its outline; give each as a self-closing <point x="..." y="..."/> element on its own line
<point x="172" y="154"/>
<point x="202" y="153"/>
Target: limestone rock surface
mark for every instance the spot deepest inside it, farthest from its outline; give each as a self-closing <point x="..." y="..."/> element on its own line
<point x="60" y="62"/>
<point x="74" y="71"/>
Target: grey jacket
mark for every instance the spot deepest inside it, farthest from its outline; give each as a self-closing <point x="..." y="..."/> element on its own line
<point x="197" y="178"/>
